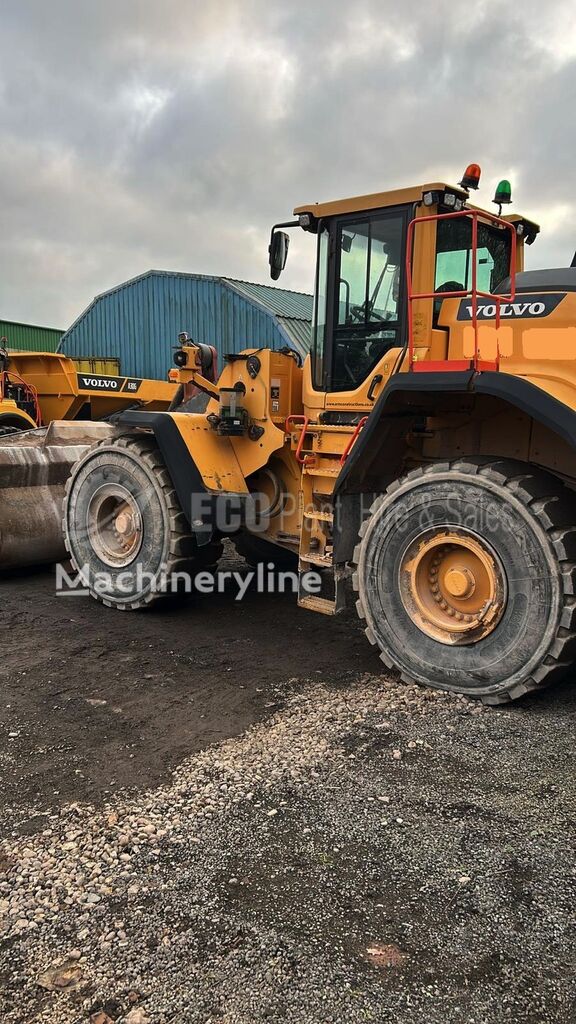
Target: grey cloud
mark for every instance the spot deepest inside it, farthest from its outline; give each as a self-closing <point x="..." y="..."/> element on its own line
<point x="137" y="134"/>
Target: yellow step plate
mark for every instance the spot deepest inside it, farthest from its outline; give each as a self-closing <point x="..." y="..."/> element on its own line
<point x="318" y="604"/>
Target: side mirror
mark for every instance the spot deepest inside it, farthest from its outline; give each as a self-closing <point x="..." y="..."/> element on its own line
<point x="277" y="253"/>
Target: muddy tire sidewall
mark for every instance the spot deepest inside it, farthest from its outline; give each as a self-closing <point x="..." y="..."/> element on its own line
<point x="529" y="623"/>
<point x="114" y="465"/>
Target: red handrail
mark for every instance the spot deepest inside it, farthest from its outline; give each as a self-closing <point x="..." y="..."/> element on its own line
<point x="473" y="292"/>
<point x="348" y="447"/>
<point x="305" y="421"/>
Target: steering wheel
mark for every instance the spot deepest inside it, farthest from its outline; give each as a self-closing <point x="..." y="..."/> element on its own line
<point x="359" y="313"/>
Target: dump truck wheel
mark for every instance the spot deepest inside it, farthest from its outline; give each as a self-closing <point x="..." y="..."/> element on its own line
<point x="120" y="513"/>
<point x="465" y="577"/>
<point x="15" y="426"/>
<point x="255" y="550"/>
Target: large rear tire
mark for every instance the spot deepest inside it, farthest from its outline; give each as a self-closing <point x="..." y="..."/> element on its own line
<point x="465" y="577"/>
<point x="124" y="529"/>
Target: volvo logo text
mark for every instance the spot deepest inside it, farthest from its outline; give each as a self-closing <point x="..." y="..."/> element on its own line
<point x="527" y="307"/>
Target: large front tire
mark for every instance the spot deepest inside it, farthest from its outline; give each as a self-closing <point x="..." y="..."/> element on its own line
<point x="124" y="530"/>
<point x="465" y="578"/>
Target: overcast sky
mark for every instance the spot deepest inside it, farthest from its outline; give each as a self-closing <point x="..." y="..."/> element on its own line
<point x="139" y="134"/>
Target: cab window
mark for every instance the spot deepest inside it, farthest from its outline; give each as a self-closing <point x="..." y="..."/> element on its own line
<point x="320" y="308"/>
<point x="369" y="293"/>
<point x="454" y="256"/>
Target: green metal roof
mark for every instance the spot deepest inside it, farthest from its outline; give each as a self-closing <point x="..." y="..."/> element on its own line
<point x="29" y="337"/>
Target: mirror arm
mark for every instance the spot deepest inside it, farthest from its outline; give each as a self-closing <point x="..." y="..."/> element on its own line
<point x="286" y="224"/>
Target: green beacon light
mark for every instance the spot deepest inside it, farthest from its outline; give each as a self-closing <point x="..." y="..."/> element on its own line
<point x="503" y="194"/>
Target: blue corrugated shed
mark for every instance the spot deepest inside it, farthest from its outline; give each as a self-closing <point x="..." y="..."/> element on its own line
<point x="139" y="321"/>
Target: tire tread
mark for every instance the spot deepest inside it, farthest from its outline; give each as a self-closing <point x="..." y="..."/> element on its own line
<point x="184" y="554"/>
<point x="551" y="504"/>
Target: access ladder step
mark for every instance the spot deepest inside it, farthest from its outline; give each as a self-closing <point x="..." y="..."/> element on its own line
<point x="319" y="604"/>
<point x="321" y="517"/>
<point x="325" y="471"/>
<point x="310" y="557"/>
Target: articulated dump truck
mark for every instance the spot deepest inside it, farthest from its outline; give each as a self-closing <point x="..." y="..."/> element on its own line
<point x="425" y="449"/>
<point x="52" y="413"/>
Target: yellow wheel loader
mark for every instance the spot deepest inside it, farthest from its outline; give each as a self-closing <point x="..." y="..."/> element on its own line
<point x="49" y="417"/>
<point x="425" y="448"/>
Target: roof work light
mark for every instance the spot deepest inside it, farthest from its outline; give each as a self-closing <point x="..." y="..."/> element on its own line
<point x="446" y="199"/>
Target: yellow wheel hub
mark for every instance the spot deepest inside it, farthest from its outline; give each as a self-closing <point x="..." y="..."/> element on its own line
<point x="452" y="586"/>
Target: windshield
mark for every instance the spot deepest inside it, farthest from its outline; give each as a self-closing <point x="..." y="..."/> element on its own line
<point x="369" y="272"/>
<point x="369" y="287"/>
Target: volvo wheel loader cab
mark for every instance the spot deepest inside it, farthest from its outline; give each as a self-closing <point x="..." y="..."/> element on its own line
<point x="426" y="447"/>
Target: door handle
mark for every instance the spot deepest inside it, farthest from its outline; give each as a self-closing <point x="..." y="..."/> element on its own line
<point x="376" y="380"/>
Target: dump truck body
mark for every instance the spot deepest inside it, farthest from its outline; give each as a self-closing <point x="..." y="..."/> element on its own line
<point x="66" y="392"/>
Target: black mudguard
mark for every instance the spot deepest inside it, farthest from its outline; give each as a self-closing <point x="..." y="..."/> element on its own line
<point x="377" y="456"/>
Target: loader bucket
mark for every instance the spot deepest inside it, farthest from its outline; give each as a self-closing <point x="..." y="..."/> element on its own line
<point x="34" y="468"/>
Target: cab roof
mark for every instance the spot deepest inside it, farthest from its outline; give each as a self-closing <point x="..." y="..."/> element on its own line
<point x="377" y="200"/>
<point x="401" y="197"/>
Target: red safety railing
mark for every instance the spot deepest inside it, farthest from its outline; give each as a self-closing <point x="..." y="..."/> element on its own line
<point x="472" y="292"/>
<point x="288" y="429"/>
<point x="352" y="440"/>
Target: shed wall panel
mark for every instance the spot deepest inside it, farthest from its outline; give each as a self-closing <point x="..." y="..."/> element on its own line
<point x="139" y="322"/>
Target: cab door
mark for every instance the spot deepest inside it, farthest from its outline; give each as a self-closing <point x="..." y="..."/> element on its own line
<point x="360" y="306"/>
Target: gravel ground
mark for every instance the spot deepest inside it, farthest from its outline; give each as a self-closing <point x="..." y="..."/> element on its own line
<point x="360" y="851"/>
